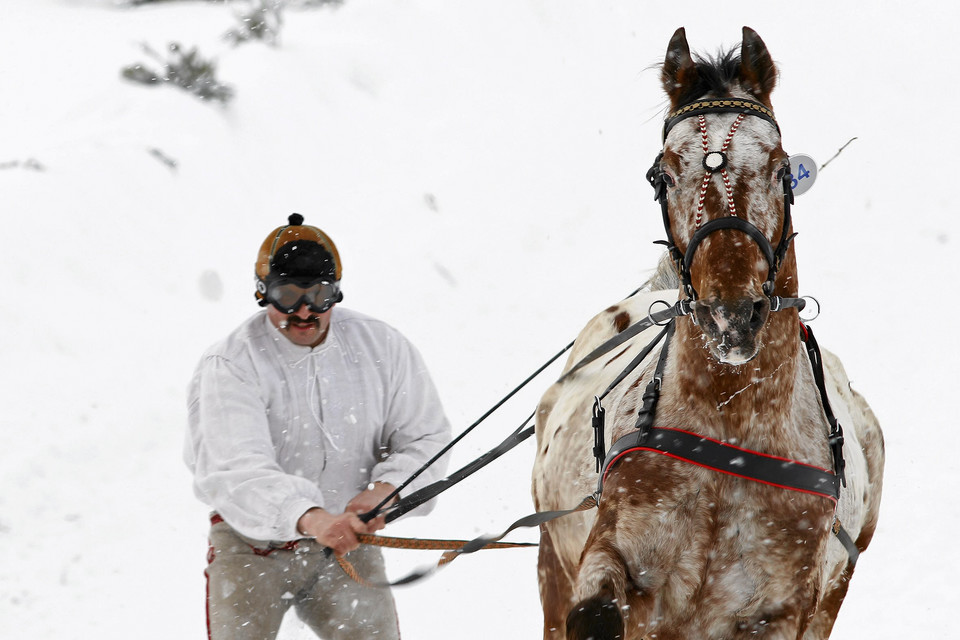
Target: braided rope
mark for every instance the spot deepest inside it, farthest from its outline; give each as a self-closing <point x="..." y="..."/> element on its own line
<point x="430" y="544"/>
<point x="723" y="174"/>
<point x="454" y="548"/>
<point x="705" y="143"/>
<point x="350" y="571"/>
<point x="727" y="186"/>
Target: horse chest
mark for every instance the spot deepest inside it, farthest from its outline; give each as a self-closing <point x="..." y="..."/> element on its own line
<point x="714" y="543"/>
<point x="770" y="406"/>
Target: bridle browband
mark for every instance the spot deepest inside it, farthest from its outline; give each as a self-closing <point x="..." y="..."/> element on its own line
<point x="684" y="260"/>
<point x="721" y="105"/>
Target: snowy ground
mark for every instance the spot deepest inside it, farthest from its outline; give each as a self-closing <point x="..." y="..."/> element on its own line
<point x="480" y="165"/>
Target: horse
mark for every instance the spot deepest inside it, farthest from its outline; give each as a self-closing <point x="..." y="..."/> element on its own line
<point x="681" y="546"/>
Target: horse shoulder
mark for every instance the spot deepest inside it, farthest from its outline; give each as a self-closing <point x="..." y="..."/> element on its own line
<point x="563" y="470"/>
<point x="863" y="452"/>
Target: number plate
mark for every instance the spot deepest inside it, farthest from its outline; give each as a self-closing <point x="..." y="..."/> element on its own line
<point x="803" y="173"/>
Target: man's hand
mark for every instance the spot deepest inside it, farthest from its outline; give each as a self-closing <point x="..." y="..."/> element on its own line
<point x="369" y="499"/>
<point x="339" y="532"/>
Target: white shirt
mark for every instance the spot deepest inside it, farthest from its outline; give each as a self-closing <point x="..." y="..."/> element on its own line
<point x="276" y="428"/>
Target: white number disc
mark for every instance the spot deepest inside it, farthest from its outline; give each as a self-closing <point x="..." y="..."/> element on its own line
<point x="803" y="173"/>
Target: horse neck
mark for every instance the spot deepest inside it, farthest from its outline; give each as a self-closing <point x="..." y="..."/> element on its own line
<point x="736" y="399"/>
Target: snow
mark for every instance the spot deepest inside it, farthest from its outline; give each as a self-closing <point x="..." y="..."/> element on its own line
<point x="480" y="166"/>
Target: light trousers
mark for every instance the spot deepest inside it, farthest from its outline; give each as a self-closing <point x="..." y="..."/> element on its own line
<point x="251" y="586"/>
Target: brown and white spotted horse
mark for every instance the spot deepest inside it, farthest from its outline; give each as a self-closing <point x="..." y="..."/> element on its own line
<point x="757" y="541"/>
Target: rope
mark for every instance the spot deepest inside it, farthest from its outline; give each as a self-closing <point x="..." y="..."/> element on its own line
<point x="430" y="544"/>
<point x="421" y="544"/>
<point x="728" y="188"/>
<point x="454" y="548"/>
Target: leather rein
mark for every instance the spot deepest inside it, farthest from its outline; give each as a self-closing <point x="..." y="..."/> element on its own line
<point x="680" y="444"/>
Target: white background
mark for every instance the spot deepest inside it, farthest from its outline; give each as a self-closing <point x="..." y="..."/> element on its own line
<point x="480" y="166"/>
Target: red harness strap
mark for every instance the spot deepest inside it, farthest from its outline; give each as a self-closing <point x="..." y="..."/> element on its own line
<point x="726" y="458"/>
<point x="736" y="461"/>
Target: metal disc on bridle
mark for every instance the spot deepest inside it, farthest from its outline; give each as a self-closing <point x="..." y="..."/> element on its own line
<point x="715" y="161"/>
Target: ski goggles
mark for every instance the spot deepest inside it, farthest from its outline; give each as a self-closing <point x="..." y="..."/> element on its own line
<point x="288" y="297"/>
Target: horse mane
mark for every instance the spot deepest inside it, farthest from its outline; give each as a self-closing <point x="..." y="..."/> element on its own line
<point x="664" y="276"/>
<point x="716" y="75"/>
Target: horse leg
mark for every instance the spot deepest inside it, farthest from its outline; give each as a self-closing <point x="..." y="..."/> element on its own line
<point x="556" y="591"/>
<point x="596" y="618"/>
<point x="602" y="586"/>
<point x="822" y="623"/>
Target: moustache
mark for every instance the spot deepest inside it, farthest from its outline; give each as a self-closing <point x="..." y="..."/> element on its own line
<point x="300" y="322"/>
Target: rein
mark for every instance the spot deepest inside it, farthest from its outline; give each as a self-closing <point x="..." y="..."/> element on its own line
<point x="417" y="498"/>
<point x="457" y="548"/>
<point x="683" y="445"/>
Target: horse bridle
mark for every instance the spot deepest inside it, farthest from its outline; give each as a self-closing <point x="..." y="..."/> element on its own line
<point x="716" y="162"/>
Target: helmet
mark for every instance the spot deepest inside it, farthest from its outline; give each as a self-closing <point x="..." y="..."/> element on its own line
<point x="297" y="253"/>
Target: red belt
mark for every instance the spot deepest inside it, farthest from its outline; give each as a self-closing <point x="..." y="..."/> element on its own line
<point x="216" y="518"/>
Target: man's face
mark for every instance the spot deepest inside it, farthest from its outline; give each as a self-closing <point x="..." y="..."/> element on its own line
<point x="302" y="327"/>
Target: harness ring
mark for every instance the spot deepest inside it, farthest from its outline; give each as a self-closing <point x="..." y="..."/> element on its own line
<point x="815" y="315"/>
<point x="650" y="313"/>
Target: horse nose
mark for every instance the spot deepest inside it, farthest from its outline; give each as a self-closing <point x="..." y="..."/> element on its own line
<point x="743" y="317"/>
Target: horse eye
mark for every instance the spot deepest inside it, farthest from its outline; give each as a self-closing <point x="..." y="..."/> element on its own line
<point x="668" y="179"/>
<point x="784" y="168"/>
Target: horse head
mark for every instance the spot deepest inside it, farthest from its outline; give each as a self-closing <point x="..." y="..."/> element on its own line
<point x="723" y="182"/>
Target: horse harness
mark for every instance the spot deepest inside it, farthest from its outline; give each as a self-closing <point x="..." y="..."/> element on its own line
<point x="676" y="443"/>
<point x="720" y="456"/>
<point x="685" y="445"/>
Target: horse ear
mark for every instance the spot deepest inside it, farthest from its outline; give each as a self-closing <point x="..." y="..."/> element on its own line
<point x="758" y="74"/>
<point x="679" y="70"/>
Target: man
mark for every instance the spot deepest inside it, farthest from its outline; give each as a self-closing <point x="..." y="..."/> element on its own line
<point x="305" y="416"/>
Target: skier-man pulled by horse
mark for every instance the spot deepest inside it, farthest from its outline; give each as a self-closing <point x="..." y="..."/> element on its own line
<point x="739" y="475"/>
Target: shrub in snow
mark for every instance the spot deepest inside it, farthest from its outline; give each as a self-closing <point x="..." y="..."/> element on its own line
<point x="184" y="68"/>
<point x="261" y="21"/>
<point x="29" y="163"/>
<point x="137" y="3"/>
<point x="292" y="3"/>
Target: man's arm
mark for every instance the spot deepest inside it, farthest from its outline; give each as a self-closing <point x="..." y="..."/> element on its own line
<point x="232" y="456"/>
